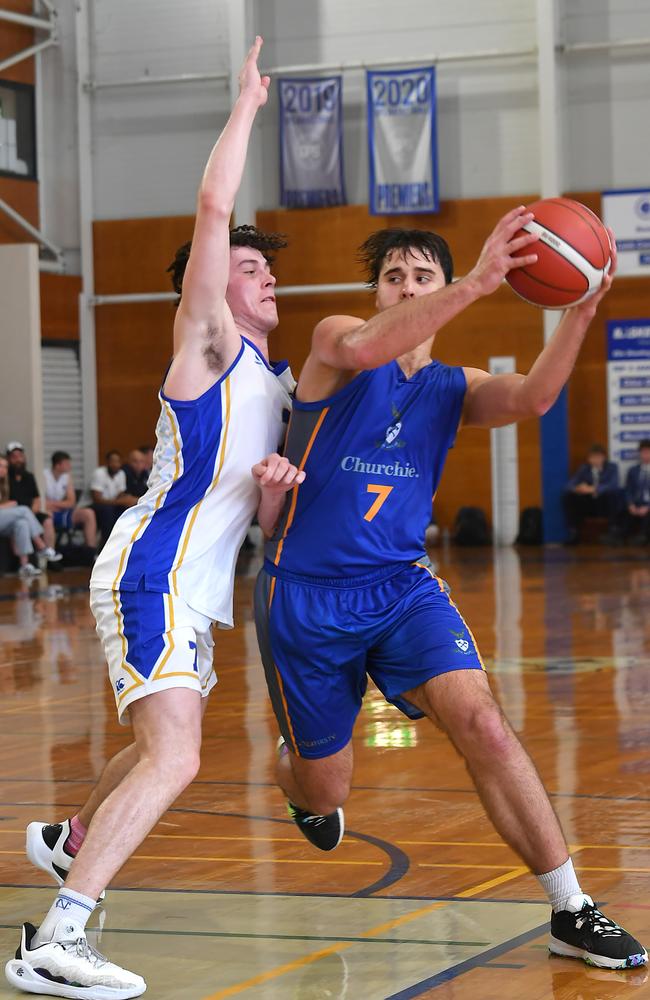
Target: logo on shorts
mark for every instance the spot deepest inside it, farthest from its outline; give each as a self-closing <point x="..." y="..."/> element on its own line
<point x="119" y="684"/>
<point x="393" y="431"/>
<point x="462" y="643"/>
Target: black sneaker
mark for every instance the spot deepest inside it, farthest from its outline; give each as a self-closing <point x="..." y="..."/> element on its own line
<point x="582" y="931"/>
<point x="324" y="832"/>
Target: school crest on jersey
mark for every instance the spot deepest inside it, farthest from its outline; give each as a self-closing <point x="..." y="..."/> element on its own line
<point x="393" y="431"/>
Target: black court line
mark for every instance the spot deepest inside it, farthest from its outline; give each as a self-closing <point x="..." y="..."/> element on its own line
<point x="271" y="937"/>
<point x="398" y="859"/>
<point x="471" y="963"/>
<point x="287" y="893"/>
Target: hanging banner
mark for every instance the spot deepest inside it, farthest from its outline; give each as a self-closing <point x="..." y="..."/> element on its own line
<point x="628" y="214"/>
<point x="628" y="389"/>
<point x="402" y="146"/>
<point x="311" y="143"/>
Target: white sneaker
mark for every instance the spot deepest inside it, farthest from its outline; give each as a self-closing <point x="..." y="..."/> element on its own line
<point x="45" y="847"/>
<point x="51" y="555"/>
<point x="68" y="967"/>
<point x="27" y="571"/>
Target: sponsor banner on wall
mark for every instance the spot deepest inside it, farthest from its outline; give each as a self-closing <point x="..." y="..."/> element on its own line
<point x="628" y="214"/>
<point x="628" y="389"/>
<point x="402" y="144"/>
<point x="311" y="142"/>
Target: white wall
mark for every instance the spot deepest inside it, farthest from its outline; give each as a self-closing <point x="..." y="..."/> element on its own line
<point x="21" y="404"/>
<point x="151" y="143"/>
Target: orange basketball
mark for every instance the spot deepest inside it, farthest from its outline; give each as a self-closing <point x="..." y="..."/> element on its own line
<point x="573" y="255"/>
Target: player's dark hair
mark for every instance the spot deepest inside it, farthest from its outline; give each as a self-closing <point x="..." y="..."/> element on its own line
<point x="241" y="236"/>
<point x="644" y="444"/>
<point x="598" y="449"/>
<point x="373" y="252"/>
<point x="59" y="456"/>
<point x="113" y="451"/>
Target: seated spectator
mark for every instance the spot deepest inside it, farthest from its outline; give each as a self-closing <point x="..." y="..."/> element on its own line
<point x="137" y="476"/>
<point x="593" y="492"/>
<point x="147" y="451"/>
<point x="23" y="489"/>
<point x="637" y="497"/>
<point x="61" y="500"/>
<point x="108" y="486"/>
<point x="20" y="525"/>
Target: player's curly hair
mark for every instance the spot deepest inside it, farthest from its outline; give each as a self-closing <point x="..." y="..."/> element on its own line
<point x="373" y="252"/>
<point x="241" y="236"/>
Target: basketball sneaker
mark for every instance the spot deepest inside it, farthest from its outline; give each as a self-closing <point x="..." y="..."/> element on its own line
<point x="582" y="931"/>
<point x="324" y="832"/>
<point x="45" y="847"/>
<point x="68" y="967"/>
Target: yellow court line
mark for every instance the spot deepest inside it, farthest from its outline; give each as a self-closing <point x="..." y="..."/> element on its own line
<point x="315" y="956"/>
<point x="262" y="840"/>
<point x="47" y="703"/>
<point x="249" y="861"/>
<point x="452" y="864"/>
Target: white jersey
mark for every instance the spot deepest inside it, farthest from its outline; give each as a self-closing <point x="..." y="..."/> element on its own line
<point x="184" y="534"/>
<point x="56" y="489"/>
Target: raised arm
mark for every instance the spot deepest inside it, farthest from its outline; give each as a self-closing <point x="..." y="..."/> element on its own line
<point x="347" y="344"/>
<point x="496" y="400"/>
<point x="206" y="340"/>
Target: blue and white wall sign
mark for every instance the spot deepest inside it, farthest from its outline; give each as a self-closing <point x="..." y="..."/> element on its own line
<point x="402" y="146"/>
<point x="628" y="388"/>
<point x="628" y="214"/>
<point x="311" y="142"/>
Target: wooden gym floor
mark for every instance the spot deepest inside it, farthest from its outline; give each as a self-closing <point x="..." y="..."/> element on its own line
<point x="421" y="899"/>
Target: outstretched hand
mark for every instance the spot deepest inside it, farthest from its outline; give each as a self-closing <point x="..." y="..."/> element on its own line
<point x="250" y="80"/>
<point x="496" y="257"/>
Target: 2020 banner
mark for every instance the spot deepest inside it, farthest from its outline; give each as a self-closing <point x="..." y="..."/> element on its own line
<point x="402" y="144"/>
<point x="311" y="143"/>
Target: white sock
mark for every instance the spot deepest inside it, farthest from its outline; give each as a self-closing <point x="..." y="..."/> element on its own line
<point x="560" y="884"/>
<point x="68" y="905"/>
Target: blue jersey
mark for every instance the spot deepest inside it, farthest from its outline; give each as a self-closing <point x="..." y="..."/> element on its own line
<point x="373" y="455"/>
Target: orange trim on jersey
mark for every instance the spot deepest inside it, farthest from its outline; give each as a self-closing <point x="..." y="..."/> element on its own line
<point x="454" y="606"/>
<point x="192" y="521"/>
<point x="294" y="498"/>
<point x="280" y="685"/>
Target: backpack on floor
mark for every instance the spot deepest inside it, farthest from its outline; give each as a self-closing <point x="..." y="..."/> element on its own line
<point x="531" y="527"/>
<point x="471" y="527"/>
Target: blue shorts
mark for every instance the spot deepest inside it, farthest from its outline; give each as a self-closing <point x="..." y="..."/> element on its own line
<point x="63" y="519"/>
<point x="320" y="640"/>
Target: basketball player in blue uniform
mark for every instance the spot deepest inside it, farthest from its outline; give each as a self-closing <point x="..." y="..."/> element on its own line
<point x="347" y="591"/>
<point x="166" y="573"/>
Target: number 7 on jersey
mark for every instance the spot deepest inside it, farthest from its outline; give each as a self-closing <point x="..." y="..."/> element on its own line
<point x="382" y="496"/>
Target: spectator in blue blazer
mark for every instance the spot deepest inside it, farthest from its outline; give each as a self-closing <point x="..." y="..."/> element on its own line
<point x="637" y="497"/>
<point x="593" y="492"/>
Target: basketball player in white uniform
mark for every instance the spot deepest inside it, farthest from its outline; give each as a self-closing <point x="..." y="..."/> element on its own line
<point x="167" y="572"/>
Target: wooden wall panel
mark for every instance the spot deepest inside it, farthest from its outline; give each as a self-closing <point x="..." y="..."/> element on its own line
<point x="134" y="342"/>
<point x="20" y="194"/>
<point x="14" y="38"/>
<point x="60" y="306"/>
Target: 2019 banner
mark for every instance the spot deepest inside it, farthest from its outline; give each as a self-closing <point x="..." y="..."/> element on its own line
<point x="311" y="143"/>
<point x="402" y="144"/>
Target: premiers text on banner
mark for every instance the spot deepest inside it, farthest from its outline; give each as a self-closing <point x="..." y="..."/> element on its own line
<point x="311" y="142"/>
<point x="402" y="150"/>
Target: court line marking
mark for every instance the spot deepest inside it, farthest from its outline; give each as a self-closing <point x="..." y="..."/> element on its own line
<point x="250" y="860"/>
<point x="272" y="937"/>
<point x="471" y="963"/>
<point x="298" y="963"/>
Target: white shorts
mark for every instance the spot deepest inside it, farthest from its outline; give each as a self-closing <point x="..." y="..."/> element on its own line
<point x="152" y="642"/>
